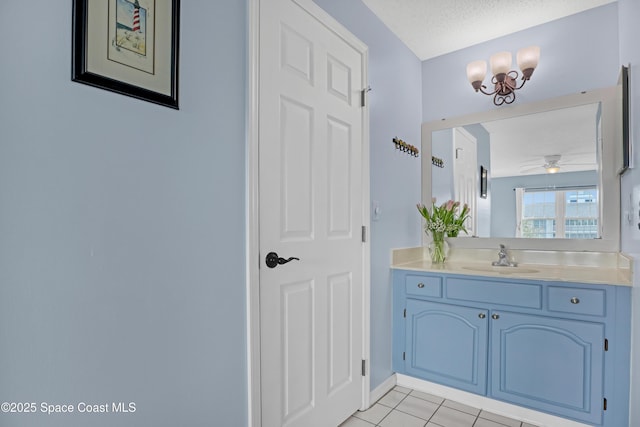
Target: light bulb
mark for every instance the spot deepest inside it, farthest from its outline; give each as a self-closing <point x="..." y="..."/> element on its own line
<point x="528" y="57"/>
<point x="500" y="63"/>
<point x="476" y="71"/>
<point x="553" y="169"/>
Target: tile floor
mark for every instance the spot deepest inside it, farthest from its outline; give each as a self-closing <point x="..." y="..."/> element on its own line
<point x="403" y="407"/>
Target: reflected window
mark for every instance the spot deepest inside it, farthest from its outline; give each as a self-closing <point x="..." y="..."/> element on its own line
<point x="570" y="213"/>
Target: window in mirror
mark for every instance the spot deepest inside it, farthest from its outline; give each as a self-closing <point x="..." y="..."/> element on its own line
<point x="566" y="213"/>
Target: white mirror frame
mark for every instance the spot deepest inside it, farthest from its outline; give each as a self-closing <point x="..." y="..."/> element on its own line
<point x="609" y="180"/>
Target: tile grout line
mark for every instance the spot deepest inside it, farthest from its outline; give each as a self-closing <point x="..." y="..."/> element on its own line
<point x="440" y="406"/>
<point x="392" y="409"/>
<point x="477" y="418"/>
<point x="398" y="410"/>
<point x="435" y="412"/>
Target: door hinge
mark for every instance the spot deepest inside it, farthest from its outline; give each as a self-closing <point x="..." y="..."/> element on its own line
<point x="606" y="344"/>
<point x="364" y="368"/>
<point x="364" y="234"/>
<point x="363" y="96"/>
<point x="405" y="313"/>
<point x="604" y="404"/>
<point x="404" y="355"/>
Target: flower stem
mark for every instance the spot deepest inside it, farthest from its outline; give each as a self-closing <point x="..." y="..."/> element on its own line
<point x="437" y="249"/>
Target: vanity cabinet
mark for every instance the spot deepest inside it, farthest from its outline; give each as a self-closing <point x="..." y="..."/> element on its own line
<point x="544" y="345"/>
<point x="448" y="344"/>
<point x="554" y="365"/>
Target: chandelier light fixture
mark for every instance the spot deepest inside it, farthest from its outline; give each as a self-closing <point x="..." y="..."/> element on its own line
<point x="504" y="79"/>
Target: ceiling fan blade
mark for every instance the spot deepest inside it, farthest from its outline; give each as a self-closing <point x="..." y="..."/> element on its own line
<point x="531" y="164"/>
<point x="535" y="168"/>
<point x="577" y="164"/>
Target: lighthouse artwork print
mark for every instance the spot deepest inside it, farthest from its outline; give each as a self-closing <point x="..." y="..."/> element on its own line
<point x="131" y="34"/>
<point x="129" y="47"/>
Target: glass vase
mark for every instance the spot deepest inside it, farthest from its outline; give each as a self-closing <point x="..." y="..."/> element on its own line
<point x="438" y="248"/>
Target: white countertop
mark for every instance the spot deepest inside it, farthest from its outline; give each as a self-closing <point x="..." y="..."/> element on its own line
<point x="594" y="268"/>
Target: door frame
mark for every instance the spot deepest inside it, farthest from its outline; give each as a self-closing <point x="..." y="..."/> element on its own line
<point x="252" y="213"/>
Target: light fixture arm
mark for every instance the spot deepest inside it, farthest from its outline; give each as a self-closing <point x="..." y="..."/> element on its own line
<point x="504" y="88"/>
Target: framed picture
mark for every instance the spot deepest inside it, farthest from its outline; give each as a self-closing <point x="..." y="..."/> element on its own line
<point x="624" y="109"/>
<point x="483" y="182"/>
<point x="129" y="47"/>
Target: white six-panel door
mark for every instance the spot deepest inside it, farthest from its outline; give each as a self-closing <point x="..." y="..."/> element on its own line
<point x="311" y="208"/>
<point x="465" y="175"/>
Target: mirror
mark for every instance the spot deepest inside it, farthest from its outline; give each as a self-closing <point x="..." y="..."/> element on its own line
<point x="531" y="159"/>
<point x="523" y="167"/>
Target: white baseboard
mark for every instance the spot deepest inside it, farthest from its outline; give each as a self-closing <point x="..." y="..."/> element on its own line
<point x="501" y="408"/>
<point x="381" y="390"/>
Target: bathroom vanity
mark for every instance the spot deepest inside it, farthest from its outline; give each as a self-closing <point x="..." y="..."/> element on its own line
<point x="552" y="337"/>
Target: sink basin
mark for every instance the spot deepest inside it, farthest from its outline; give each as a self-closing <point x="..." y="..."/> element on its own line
<point x="501" y="270"/>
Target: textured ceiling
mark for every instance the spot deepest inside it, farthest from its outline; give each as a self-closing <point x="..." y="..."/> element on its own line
<point x="434" y="27"/>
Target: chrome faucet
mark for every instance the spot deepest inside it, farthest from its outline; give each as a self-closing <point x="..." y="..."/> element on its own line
<point x="503" y="259"/>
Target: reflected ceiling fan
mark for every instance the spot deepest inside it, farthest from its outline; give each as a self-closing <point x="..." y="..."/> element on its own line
<point x="552" y="164"/>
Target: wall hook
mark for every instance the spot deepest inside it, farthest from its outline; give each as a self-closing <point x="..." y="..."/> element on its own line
<point x="406" y="148"/>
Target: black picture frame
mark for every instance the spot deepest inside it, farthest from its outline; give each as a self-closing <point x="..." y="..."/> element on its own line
<point x="156" y="79"/>
<point x="623" y="88"/>
<point x="483" y="182"/>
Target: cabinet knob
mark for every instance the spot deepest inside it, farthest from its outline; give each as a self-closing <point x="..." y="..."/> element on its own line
<point x="482" y="315"/>
<point x="495" y="316"/>
<point x="421" y="285"/>
<point x="575" y="300"/>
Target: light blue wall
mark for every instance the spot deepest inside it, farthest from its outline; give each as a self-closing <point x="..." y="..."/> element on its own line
<point x="395" y="110"/>
<point x="577" y="53"/>
<point x="503" y="206"/>
<point x="629" y="11"/>
<point x="122" y="228"/>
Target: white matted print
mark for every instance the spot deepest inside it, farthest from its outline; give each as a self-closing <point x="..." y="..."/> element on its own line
<point x="132" y="33"/>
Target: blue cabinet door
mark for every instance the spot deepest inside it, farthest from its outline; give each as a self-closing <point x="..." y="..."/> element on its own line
<point x="548" y="364"/>
<point x="447" y="344"/>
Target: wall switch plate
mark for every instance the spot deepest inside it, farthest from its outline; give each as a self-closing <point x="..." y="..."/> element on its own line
<point x="628" y="210"/>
